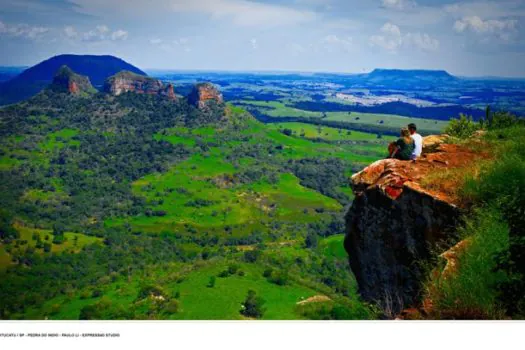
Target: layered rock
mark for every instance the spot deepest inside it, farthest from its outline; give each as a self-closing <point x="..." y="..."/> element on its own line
<point x="65" y="80"/>
<point x="126" y="81"/>
<point x="203" y="94"/>
<point x="398" y="218"/>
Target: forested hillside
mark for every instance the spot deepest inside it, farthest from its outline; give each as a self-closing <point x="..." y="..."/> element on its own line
<point x="142" y="207"/>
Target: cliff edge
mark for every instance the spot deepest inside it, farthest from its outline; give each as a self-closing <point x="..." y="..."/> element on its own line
<point x="402" y="213"/>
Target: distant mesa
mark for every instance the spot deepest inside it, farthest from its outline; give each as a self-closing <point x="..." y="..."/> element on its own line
<point x="34" y="79"/>
<point x="65" y="80"/>
<point x="126" y="81"/>
<point x="409" y="74"/>
<point x="203" y="93"/>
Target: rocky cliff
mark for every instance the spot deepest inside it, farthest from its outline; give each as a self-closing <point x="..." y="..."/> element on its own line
<point x="126" y="81"/>
<point x="65" y="80"/>
<point x="203" y="93"/>
<point x="402" y="214"/>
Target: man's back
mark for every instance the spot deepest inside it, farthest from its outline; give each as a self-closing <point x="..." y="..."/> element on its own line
<point x="418" y="144"/>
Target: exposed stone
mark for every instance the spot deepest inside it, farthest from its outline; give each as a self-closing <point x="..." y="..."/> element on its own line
<point x="452" y="257"/>
<point x="65" y="80"/>
<point x="397" y="220"/>
<point x="203" y="93"/>
<point x="126" y="81"/>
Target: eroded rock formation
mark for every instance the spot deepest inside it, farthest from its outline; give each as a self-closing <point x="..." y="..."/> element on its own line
<point x="203" y="93"/>
<point x="402" y="213"/>
<point x="126" y="81"/>
<point x="65" y="80"/>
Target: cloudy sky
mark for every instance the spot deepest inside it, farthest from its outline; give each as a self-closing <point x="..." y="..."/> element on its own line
<point x="472" y="38"/>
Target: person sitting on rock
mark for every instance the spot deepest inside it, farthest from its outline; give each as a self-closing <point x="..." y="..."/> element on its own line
<point x="418" y="141"/>
<point x="403" y="148"/>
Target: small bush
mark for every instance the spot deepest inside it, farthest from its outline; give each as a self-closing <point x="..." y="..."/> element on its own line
<point x="463" y="127"/>
<point x="211" y="282"/>
<point x="252" y="305"/>
<point x="172" y="307"/>
<point x="251" y="256"/>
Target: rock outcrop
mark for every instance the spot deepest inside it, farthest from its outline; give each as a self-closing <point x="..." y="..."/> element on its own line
<point x="402" y="213"/>
<point x="203" y="93"/>
<point x="126" y="81"/>
<point x="65" y="80"/>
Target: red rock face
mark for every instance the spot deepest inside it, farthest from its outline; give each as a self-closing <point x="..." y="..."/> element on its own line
<point x="169" y="92"/>
<point x="73" y="87"/>
<point x="398" y="217"/>
<point x="128" y="82"/>
<point x="203" y="93"/>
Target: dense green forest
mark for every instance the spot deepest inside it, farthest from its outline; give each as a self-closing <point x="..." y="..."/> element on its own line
<point x="139" y="207"/>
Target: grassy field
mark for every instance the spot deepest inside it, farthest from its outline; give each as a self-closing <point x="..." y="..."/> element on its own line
<point x="279" y="109"/>
<point x="73" y="243"/>
<point x="333" y="247"/>
<point x="196" y="299"/>
<point x="209" y="179"/>
<point x="310" y="131"/>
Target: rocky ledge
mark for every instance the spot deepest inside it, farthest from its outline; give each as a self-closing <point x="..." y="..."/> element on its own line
<point x="126" y="81"/>
<point x="402" y="213"/>
<point x="65" y="80"/>
<point x="204" y="93"/>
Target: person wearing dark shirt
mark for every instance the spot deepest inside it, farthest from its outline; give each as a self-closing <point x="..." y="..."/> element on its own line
<point x="404" y="147"/>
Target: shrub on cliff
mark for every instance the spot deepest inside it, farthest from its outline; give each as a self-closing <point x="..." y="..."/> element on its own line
<point x="502" y="187"/>
<point x="490" y="277"/>
<point x="463" y="127"/>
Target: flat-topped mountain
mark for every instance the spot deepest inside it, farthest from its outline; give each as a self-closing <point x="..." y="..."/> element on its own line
<point x="126" y="81"/>
<point x="65" y="80"/>
<point x="410" y="73"/>
<point x="34" y="79"/>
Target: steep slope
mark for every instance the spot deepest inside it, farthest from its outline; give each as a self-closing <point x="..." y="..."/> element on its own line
<point x="203" y="93"/>
<point x="399" y="217"/>
<point x="125" y="81"/>
<point x="66" y="80"/>
<point x="34" y="79"/>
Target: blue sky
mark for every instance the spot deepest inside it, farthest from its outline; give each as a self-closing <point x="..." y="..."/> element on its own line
<point x="473" y="38"/>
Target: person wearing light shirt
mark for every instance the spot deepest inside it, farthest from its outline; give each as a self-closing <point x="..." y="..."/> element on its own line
<point x="418" y="141"/>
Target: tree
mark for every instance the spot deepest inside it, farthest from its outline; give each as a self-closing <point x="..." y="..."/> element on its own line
<point x="287" y="132"/>
<point x="252" y="305"/>
<point x="311" y="240"/>
<point x="251" y="256"/>
<point x="211" y="282"/>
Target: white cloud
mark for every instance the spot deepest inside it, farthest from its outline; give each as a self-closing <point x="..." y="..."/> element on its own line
<point x="477" y="25"/>
<point x="22" y="30"/>
<point x="155" y="41"/>
<point x="484" y="9"/>
<point x="70" y="32"/>
<point x="296" y="49"/>
<point x="180" y="44"/>
<point x="253" y="42"/>
<point x="398" y="4"/>
<point x="386" y="43"/>
<point x="246" y="13"/>
<point x="119" y="35"/>
<point x="421" y="41"/>
<point x="391" y="39"/>
<point x="391" y="29"/>
<point x="100" y="33"/>
<point x="334" y="42"/>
